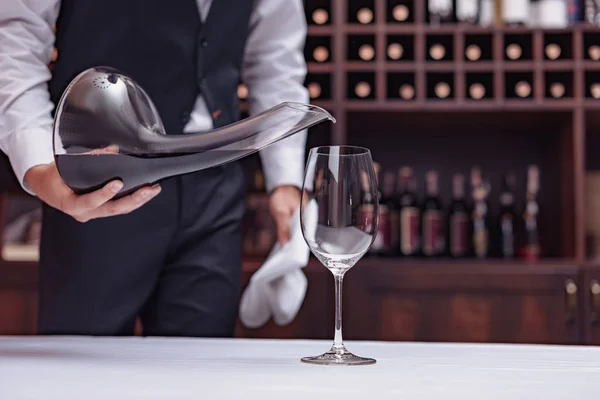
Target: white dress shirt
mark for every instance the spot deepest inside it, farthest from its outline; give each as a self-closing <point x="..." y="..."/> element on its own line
<point x="274" y="70"/>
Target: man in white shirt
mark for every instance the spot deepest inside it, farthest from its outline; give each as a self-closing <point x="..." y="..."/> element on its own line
<point x="168" y="253"/>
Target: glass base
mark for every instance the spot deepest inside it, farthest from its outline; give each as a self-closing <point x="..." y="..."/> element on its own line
<point x="338" y="357"/>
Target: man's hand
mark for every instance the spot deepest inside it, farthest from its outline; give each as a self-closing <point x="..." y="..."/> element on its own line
<point x="283" y="202"/>
<point x="46" y="183"/>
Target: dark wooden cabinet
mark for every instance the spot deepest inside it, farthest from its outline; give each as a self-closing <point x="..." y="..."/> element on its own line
<point x="396" y="300"/>
<point x="590" y="310"/>
<point x="465" y="302"/>
<point x="18" y="298"/>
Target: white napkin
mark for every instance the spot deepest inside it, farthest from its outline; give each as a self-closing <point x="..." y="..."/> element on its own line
<point x="278" y="288"/>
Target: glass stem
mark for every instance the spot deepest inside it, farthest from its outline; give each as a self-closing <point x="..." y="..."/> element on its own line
<point x="338" y="343"/>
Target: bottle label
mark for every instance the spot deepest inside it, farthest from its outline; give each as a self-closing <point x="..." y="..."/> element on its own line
<point x="480" y="239"/>
<point x="433" y="237"/>
<point x="459" y="224"/>
<point x="382" y="240"/>
<point x="409" y="230"/>
<point x="367" y="213"/>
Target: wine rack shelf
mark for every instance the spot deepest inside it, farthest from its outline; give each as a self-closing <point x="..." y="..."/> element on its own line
<point x="392" y="75"/>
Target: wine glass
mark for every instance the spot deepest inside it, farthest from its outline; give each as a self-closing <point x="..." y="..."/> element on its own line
<point x="339" y="219"/>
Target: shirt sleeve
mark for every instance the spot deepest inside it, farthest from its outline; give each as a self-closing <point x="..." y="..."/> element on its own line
<point x="274" y="72"/>
<point x="26" y="47"/>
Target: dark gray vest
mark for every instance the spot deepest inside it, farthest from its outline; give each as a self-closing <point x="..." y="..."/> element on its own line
<point x="164" y="46"/>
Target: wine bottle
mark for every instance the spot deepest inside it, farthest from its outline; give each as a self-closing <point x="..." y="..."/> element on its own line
<point x="366" y="52"/>
<point x="515" y="12"/>
<point x="407" y="92"/>
<point x="467" y="11"/>
<point x="364" y="15"/>
<point x="442" y="90"/>
<point x="408" y="213"/>
<point x="514" y="51"/>
<point x="552" y="51"/>
<point x="395" y="51"/>
<point x="507" y="218"/>
<point x="458" y="220"/>
<point x="362" y="89"/>
<point x="552" y="14"/>
<point x="487" y="13"/>
<point x="382" y="239"/>
<point x="531" y="246"/>
<point x="557" y="90"/>
<point x="106" y="128"/>
<point x="437" y="51"/>
<point x="314" y="90"/>
<point x="473" y="52"/>
<point x="440" y="11"/>
<point x="479" y="217"/>
<point x="594" y="52"/>
<point x="595" y="90"/>
<point x="477" y="91"/>
<point x="401" y="13"/>
<point x="523" y="89"/>
<point x="320" y="16"/>
<point x="432" y="222"/>
<point x="321" y="54"/>
<point x="389" y="206"/>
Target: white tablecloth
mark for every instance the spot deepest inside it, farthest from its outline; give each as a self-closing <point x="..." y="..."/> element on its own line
<point x="154" y="368"/>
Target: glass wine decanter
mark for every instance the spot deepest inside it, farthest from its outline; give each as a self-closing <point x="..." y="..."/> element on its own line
<point x="340" y="192"/>
<point x="106" y="127"/>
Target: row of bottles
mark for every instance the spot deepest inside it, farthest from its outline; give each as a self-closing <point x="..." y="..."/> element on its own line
<point x="535" y="13"/>
<point x="440" y="47"/>
<point x="442" y="85"/>
<point x="423" y="226"/>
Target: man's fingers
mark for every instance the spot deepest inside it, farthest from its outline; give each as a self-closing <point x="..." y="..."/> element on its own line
<point x="126" y="204"/>
<point x="282" y="221"/>
<point x="88" y="202"/>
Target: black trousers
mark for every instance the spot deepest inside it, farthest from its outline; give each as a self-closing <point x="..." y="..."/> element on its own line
<point x="175" y="262"/>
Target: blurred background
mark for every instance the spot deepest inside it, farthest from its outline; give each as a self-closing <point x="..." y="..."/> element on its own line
<point x="482" y="116"/>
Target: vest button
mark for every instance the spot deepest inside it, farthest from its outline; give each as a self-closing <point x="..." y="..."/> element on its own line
<point x="204" y="43"/>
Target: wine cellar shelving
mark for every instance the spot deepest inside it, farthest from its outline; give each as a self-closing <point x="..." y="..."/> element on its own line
<point x="388" y="62"/>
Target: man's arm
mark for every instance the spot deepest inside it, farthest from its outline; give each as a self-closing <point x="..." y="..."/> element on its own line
<point x="274" y="71"/>
<point x="26" y="47"/>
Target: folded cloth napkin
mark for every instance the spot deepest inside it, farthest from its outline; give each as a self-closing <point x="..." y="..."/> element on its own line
<point x="278" y="288"/>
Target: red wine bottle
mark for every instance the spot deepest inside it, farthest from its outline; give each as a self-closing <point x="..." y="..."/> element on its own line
<point x="507" y="218"/>
<point x="531" y="246"/>
<point x="388" y="202"/>
<point x="381" y="243"/>
<point x="366" y="212"/>
<point x="432" y="221"/>
<point x="458" y="220"/>
<point x="408" y="213"/>
<point x="479" y="217"/>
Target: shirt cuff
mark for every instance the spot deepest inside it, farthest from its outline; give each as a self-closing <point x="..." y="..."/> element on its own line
<point x="283" y="165"/>
<point x="29" y="150"/>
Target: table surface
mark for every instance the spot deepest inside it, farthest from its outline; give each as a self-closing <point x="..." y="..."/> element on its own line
<point x="174" y="368"/>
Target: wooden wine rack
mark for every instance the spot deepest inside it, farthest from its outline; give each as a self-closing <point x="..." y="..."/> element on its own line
<point x="570" y="118"/>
